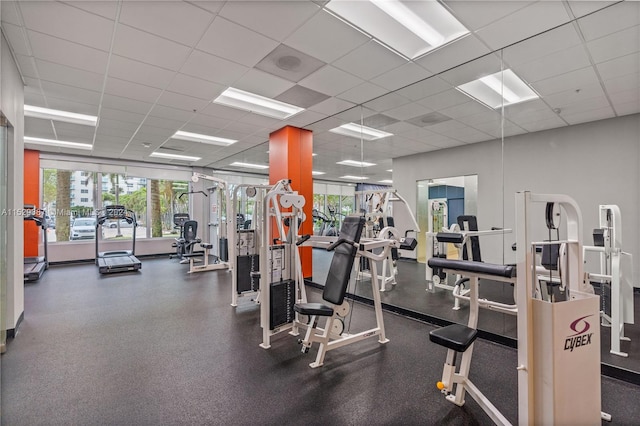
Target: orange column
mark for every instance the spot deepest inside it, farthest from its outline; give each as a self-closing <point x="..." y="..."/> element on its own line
<point x="32" y="235"/>
<point x="291" y="157"/>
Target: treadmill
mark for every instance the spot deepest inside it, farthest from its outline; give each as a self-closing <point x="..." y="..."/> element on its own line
<point x="116" y="260"/>
<point x="35" y="266"/>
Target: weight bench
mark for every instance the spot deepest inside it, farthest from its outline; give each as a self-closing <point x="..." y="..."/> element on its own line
<point x="458" y="338"/>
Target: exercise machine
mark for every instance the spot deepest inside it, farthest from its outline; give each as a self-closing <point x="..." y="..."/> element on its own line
<point x="245" y="240"/>
<point x="558" y="349"/>
<point x="349" y="248"/>
<point x="116" y="260"/>
<point x="35" y="266"/>
<point x="377" y="206"/>
<point x="465" y="237"/>
<point x="615" y="276"/>
<point x="219" y="227"/>
<point x="179" y="244"/>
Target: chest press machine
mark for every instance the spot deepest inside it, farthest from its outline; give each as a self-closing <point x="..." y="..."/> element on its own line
<point x="558" y="349"/>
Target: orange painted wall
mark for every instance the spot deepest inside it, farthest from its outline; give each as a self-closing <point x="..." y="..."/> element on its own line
<point x="291" y="157"/>
<point x="32" y="235"/>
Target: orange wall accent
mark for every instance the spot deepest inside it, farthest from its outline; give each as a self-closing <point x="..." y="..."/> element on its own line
<point x="291" y="157"/>
<point x="32" y="235"/>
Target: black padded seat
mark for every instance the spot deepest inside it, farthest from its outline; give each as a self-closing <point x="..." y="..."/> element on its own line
<point x="206" y="245"/>
<point x="506" y="271"/>
<point x="313" y="309"/>
<point x="455" y="336"/>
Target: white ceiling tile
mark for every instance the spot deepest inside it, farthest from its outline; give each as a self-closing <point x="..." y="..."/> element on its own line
<point x="305" y="117"/>
<point x="235" y="43"/>
<point x="628" y="96"/>
<point x="543" y="45"/>
<point x="162" y="111"/>
<point x="154" y="132"/>
<point x="444" y="142"/>
<point x="331" y="106"/>
<point x="71" y="93"/>
<point x="225" y="112"/>
<point x="402" y="76"/>
<point x="209" y="121"/>
<point x="121" y="132"/>
<point x="469" y="135"/>
<point x="126" y="89"/>
<point x="67" y="53"/>
<point x="452" y="55"/>
<point x="262" y="83"/>
<point x="16" y="38"/>
<point x="330" y="80"/>
<point x="201" y="64"/>
<point x="489" y="117"/>
<point x="567" y="60"/>
<point x="9" y="13"/>
<point x="121" y="115"/>
<point x="326" y="37"/>
<point x="479" y="13"/>
<point x="619" y="67"/>
<point x="575" y="94"/>
<point x="591" y="115"/>
<point x="68" y="23"/>
<point x="106" y="9"/>
<point x="163" y="123"/>
<point x="213" y="6"/>
<point x="51" y="71"/>
<point x="31" y="98"/>
<point x="623" y="83"/>
<point x="107" y="123"/>
<point x="139" y="72"/>
<point x="362" y="93"/>
<point x="144" y="47"/>
<point x="544" y="124"/>
<point x="572" y="80"/>
<point x="473" y="70"/>
<point x="274" y="19"/>
<point x="125" y="104"/>
<point x="627" y="108"/>
<point x="615" y="45"/>
<point x="186" y="103"/>
<point x="239" y="127"/>
<point x="177" y="21"/>
<point x="386" y="102"/>
<point x="72" y="105"/>
<point x="369" y="61"/>
<point x="424" y="88"/>
<point x="27" y="66"/>
<point x="533" y="19"/>
<point x="444" y="100"/>
<point x="581" y="7"/>
<point x="196" y="87"/>
<point x="610" y="20"/>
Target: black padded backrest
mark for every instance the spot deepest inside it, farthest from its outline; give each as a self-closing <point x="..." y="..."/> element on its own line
<point x="471" y="225"/>
<point x="342" y="262"/>
<point x="180" y="218"/>
<point x="190" y="230"/>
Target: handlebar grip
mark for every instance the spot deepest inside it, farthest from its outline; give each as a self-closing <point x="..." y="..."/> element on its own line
<point x="303" y="239"/>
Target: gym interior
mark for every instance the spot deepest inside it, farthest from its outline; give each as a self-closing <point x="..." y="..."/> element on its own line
<point x="206" y="198"/>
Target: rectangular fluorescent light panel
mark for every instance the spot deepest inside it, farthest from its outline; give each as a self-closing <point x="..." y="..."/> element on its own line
<point x="195" y="137"/>
<point x="361" y="132"/>
<point x="499" y="88"/>
<point x="355" y="163"/>
<point x="249" y="165"/>
<point x="236" y="98"/>
<point x="174" y="156"/>
<point x="385" y="181"/>
<point x="412" y="28"/>
<point x="315" y="173"/>
<point x="354" y="177"/>
<point x="62" y="144"/>
<point x="53" y="114"/>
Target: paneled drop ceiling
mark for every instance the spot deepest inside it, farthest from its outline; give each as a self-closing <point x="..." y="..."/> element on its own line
<point x="148" y="69"/>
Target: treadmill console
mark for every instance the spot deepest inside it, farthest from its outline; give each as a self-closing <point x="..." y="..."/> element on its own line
<point x="115" y="212"/>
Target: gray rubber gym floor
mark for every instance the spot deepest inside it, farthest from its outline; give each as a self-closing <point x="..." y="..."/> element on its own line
<point x="162" y="347"/>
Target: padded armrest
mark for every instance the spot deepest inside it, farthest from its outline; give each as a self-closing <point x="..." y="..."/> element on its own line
<point x="506" y="271"/>
<point x="450" y="237"/>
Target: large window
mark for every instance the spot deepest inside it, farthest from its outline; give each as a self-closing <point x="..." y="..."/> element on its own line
<point x="72" y="198"/>
<point x="331" y="204"/>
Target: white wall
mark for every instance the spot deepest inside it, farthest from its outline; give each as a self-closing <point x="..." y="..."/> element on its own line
<point x="595" y="163"/>
<point x="12" y="105"/>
